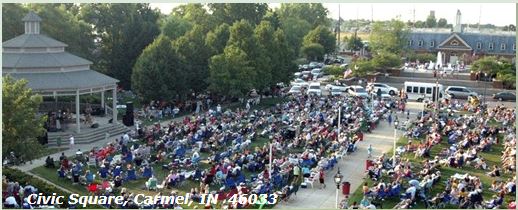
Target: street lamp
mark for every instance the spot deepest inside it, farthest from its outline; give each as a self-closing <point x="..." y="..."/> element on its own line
<point x="485" y="88"/>
<point x="395" y="140"/>
<point x="338" y="180"/>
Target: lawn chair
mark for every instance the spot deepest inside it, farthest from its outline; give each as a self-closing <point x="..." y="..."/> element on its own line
<point x="152" y="184"/>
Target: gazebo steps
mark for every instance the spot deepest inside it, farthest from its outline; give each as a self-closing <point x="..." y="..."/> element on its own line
<point x="87" y="136"/>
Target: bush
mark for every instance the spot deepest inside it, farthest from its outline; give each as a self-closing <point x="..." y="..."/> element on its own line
<point x="386" y="60"/>
<point x="333" y="70"/>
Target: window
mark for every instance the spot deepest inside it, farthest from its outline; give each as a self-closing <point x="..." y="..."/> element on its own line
<point x="415" y="90"/>
<point x="454" y="42"/>
<point x="428" y="90"/>
<point x="408" y="89"/>
<point x="490" y="45"/>
<point x="420" y="43"/>
<point x="421" y="90"/>
<point x="479" y="45"/>
<point x="514" y="47"/>
<point x="432" y="44"/>
<point x="502" y="46"/>
<point x="410" y="42"/>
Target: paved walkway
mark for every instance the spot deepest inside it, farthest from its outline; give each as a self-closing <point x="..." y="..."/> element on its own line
<point x="352" y="167"/>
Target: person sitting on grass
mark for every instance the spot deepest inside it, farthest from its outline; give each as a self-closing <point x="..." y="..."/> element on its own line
<point x="495" y="172"/>
<point x="152" y="183"/>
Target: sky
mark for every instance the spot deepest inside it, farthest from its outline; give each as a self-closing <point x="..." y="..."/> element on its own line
<point x="499" y="14"/>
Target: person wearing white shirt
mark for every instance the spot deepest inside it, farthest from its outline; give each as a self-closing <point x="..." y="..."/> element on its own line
<point x="10" y="202"/>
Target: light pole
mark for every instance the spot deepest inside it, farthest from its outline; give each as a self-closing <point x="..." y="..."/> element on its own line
<point x="395" y="141"/>
<point x="485" y="88"/>
<point x="339" y="119"/>
<point x="270" y="165"/>
<point x="338" y="180"/>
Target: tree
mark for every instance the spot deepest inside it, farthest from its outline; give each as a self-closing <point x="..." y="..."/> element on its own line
<point x="195" y="14"/>
<point x="230" y="73"/>
<point x="423" y="58"/>
<point x="362" y="67"/>
<point x="217" y="39"/>
<point x="391" y="37"/>
<point x="123" y="31"/>
<point x="159" y="73"/>
<point x="230" y="13"/>
<point x="488" y="64"/>
<point x="174" y="27"/>
<point x="354" y="43"/>
<point x="193" y="51"/>
<point x="323" y="37"/>
<point x="315" y="13"/>
<point x="12" y="25"/>
<point x="431" y="22"/>
<point x="58" y="21"/>
<point x="295" y="30"/>
<point x="386" y="60"/>
<point x="420" y="24"/>
<point x="273" y="18"/>
<point x="313" y="51"/>
<point x="442" y="23"/>
<point x="20" y="123"/>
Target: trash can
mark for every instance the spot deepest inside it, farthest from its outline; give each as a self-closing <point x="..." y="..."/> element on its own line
<point x="346" y="188"/>
<point x="368" y="163"/>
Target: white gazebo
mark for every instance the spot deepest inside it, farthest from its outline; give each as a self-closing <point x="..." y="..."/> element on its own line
<point x="50" y="70"/>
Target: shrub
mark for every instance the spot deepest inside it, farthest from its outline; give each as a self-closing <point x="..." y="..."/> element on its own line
<point x="333" y="70"/>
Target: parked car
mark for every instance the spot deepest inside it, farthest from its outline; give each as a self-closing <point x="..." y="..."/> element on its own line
<point x="313" y="65"/>
<point x="299" y="82"/>
<point x="336" y="85"/>
<point x="317" y="73"/>
<point x="314" y="88"/>
<point x="504" y="96"/>
<point x="459" y="92"/>
<point x="384" y="95"/>
<point x="337" y="90"/>
<point x="295" y="90"/>
<point x="297" y="74"/>
<point x="384" y="87"/>
<point x="358" y="91"/>
<point x="306" y="74"/>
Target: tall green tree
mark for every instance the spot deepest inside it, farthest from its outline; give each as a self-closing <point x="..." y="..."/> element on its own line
<point x="442" y="23"/>
<point x="123" y="31"/>
<point x="386" y="59"/>
<point x="174" y="27"/>
<point x="230" y="13"/>
<point x="20" y="123"/>
<point x="295" y="30"/>
<point x="230" y="73"/>
<point x="195" y="14"/>
<point x="431" y="22"/>
<point x="217" y="39"/>
<point x="389" y="37"/>
<point x="12" y="25"/>
<point x="242" y="37"/>
<point x="159" y="73"/>
<point x="314" y="13"/>
<point x="193" y="50"/>
<point x="313" y="51"/>
<point x="322" y="36"/>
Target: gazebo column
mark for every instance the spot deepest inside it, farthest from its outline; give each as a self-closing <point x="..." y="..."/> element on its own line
<point x="78" y="113"/>
<point x="114" y="107"/>
<point x="102" y="101"/>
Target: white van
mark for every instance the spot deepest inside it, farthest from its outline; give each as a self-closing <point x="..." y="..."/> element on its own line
<point x="420" y="91"/>
<point x="314" y="88"/>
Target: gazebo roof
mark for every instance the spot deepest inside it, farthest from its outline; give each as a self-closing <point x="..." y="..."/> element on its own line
<point x="32" y="41"/>
<point x="66" y="81"/>
<point x="47" y="67"/>
<point x="42" y="60"/>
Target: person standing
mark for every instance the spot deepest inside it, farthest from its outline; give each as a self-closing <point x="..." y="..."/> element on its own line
<point x="369" y="151"/>
<point x="389" y="119"/>
<point x="321" y="177"/>
<point x="72" y="141"/>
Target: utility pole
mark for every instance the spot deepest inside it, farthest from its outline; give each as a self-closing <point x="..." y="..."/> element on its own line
<point x="479" y="16"/>
<point x="339" y="25"/>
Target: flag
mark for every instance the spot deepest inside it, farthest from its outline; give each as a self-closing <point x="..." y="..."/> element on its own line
<point x="347" y="73"/>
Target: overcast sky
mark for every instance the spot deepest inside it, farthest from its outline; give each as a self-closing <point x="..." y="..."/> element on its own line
<point x="494" y="13"/>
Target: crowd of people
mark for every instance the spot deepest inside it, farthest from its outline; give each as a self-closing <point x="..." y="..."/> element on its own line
<point x="227" y="152"/>
<point x="465" y="141"/>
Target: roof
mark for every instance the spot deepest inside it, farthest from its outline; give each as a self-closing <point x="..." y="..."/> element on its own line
<point x="65" y="80"/>
<point x="31" y="17"/>
<point x="41" y="60"/>
<point x="472" y="39"/>
<point x="32" y="41"/>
